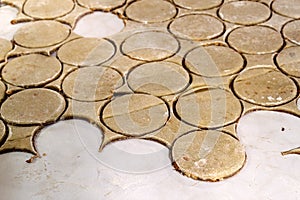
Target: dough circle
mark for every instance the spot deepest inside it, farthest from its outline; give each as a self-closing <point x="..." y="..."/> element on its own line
<point x="288" y="8"/>
<point x="291" y="31"/>
<point x="2" y="131"/>
<point x="288" y="60"/>
<point x="197" y="27"/>
<point x="158" y="78"/>
<point x="5" y="47"/>
<point x="135" y="114"/>
<point x="86" y="51"/>
<point x="31" y="70"/>
<point x="33" y="106"/>
<point x="157" y="11"/>
<point x="213" y="61"/>
<point x="198" y="5"/>
<point x="208" y="107"/>
<point x="244" y="12"/>
<point x="208" y="155"/>
<point x="42" y="33"/>
<point x="150" y="46"/>
<point x="92" y="83"/>
<point x="255" y="40"/>
<point x="265" y="86"/>
<point x="105" y="5"/>
<point x="47" y="9"/>
<point x="2" y="90"/>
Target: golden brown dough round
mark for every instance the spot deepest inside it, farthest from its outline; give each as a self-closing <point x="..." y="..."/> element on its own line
<point x="158" y="78"/>
<point x="86" y="51"/>
<point x="92" y="83"/>
<point x="214" y="61"/>
<point x="197" y="27"/>
<point x="265" y="86"/>
<point x="157" y="11"/>
<point x="150" y="46"/>
<point x="135" y="114"/>
<point x="208" y="155"/>
<point x="40" y="34"/>
<point x="252" y="40"/>
<point x="208" y="107"/>
<point x="47" y="9"/>
<point x="31" y="70"/>
<point x="33" y="106"/>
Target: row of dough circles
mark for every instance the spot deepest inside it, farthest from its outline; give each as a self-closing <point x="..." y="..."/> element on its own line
<point x="56" y="8"/>
<point x="237" y="12"/>
<point x="97" y="51"/>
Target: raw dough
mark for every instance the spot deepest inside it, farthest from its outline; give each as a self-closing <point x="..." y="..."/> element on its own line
<point x="208" y="155"/>
<point x="291" y="31"/>
<point x="105" y="5"/>
<point x="198" y="5"/>
<point x="265" y="86"/>
<point x="208" y="107"/>
<point x="135" y="114"/>
<point x="255" y="40"/>
<point x="31" y="70"/>
<point x="214" y="61"/>
<point x="33" y="106"/>
<point x="150" y="46"/>
<point x="40" y="34"/>
<point x="197" y="27"/>
<point x="2" y="131"/>
<point x="86" y="51"/>
<point x="288" y="60"/>
<point x="92" y="83"/>
<point x="245" y="12"/>
<point x="47" y="9"/>
<point x="289" y="8"/>
<point x="2" y="90"/>
<point x="157" y="11"/>
<point x="158" y="78"/>
<point x="5" y="47"/>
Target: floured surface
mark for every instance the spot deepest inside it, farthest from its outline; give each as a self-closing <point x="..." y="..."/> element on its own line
<point x="178" y="68"/>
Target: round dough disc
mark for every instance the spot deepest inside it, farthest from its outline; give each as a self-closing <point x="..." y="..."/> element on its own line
<point x="92" y="83"/>
<point x="2" y="90"/>
<point x="197" y="27"/>
<point x="40" y="34"/>
<point x="150" y="46"/>
<point x="158" y="78"/>
<point x="198" y="5"/>
<point x="208" y="155"/>
<point x="157" y="11"/>
<point x="208" y="107"/>
<point x="255" y="40"/>
<point x="106" y="5"/>
<point x="47" y="9"/>
<point x="33" y="106"/>
<point x="265" y="86"/>
<point x="214" y="61"/>
<point x="86" y="51"/>
<point x="288" y="8"/>
<point x="244" y="12"/>
<point x="291" y="31"/>
<point x="2" y="131"/>
<point x="5" y="47"/>
<point x="135" y="114"/>
<point x="288" y="60"/>
<point x="31" y="70"/>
